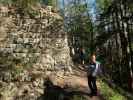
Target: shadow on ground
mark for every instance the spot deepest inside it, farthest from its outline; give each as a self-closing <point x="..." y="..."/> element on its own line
<point x="53" y="92"/>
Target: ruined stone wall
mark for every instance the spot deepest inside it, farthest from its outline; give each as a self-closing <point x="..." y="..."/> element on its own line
<point x="30" y="49"/>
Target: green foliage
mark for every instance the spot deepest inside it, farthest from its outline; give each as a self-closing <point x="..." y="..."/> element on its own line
<point x="51" y="2"/>
<point x="111" y="22"/>
<point x="21" y="3"/>
<point x="25" y="3"/>
<point x="24" y="7"/>
<point x="5" y="2"/>
<point x="17" y="71"/>
<point x="77" y="9"/>
<point x="78" y="97"/>
<point x="109" y="93"/>
<point x="79" y="23"/>
<point x="102" y="5"/>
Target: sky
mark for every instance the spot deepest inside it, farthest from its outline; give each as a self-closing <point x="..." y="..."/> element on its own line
<point x="91" y="4"/>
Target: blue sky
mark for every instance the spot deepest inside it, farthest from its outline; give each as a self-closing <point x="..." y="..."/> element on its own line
<point x="91" y="4"/>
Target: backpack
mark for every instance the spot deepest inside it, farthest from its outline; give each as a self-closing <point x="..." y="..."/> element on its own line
<point x="93" y="70"/>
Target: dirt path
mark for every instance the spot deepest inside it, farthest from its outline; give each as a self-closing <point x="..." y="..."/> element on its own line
<point x="80" y="84"/>
<point x="76" y="82"/>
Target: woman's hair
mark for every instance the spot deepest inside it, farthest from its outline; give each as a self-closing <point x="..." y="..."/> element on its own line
<point x="93" y="54"/>
<point x="90" y="56"/>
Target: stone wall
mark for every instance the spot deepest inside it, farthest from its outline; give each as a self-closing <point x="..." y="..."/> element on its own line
<point x="31" y="47"/>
